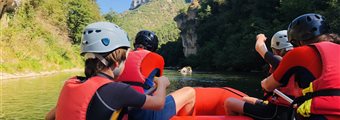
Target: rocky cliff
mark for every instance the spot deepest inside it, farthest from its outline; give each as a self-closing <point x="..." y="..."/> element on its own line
<point x="136" y="3"/>
<point x="8" y="6"/>
<point x="187" y="22"/>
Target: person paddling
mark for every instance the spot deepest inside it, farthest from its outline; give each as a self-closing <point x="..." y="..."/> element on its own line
<point x="272" y="106"/>
<point x="312" y="70"/>
<point x="98" y="95"/>
<point x="306" y="69"/>
<point x="279" y="44"/>
<point x="141" y="66"/>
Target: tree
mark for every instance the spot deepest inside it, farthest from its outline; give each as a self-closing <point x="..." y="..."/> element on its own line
<point x="81" y="13"/>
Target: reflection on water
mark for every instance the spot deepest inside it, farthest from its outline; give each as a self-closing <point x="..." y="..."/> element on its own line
<point x="245" y="82"/>
<point x="32" y="98"/>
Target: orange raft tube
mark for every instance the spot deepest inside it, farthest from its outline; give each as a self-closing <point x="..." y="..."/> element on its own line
<point x="210" y="104"/>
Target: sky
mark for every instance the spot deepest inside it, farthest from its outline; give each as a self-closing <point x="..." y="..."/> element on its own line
<point x="118" y="6"/>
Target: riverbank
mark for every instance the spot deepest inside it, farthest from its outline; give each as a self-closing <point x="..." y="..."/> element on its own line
<point x="4" y="76"/>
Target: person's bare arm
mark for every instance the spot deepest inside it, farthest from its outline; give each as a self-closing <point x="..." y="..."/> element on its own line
<point x="156" y="102"/>
<point x="251" y="100"/>
<point x="260" y="45"/>
<point x="269" y="83"/>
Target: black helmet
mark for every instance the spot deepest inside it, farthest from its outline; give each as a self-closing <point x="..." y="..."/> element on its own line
<point x="148" y="39"/>
<point x="307" y="26"/>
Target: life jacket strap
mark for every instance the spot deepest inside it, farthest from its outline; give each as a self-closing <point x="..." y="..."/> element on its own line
<point x="119" y="114"/>
<point x="310" y="95"/>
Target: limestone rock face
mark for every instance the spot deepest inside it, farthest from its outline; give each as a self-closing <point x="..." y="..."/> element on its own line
<point x="187" y="23"/>
<point x="136" y="3"/>
<point x="8" y="6"/>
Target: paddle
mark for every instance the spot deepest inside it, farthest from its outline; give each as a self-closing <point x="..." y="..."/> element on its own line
<point x="149" y="81"/>
<point x="285" y="97"/>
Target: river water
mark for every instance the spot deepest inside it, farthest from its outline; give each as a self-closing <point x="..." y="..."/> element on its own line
<point x="32" y="98"/>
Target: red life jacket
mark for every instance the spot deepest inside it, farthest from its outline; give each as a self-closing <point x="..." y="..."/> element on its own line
<point x="291" y="90"/>
<point x="75" y="97"/>
<point x="132" y="71"/>
<point x="329" y="79"/>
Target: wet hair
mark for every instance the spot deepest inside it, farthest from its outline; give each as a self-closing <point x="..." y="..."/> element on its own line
<point x="331" y="37"/>
<point x="94" y="66"/>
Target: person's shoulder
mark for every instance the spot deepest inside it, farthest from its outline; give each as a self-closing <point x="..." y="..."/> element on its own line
<point x="118" y="85"/>
<point x="155" y="56"/>
<point x="300" y="54"/>
<point x="301" y="50"/>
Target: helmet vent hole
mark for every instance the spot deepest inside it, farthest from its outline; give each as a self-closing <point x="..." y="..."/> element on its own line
<point x="285" y="36"/>
<point x="318" y="17"/>
<point x="84" y="32"/>
<point x="97" y="31"/>
<point x="106" y="41"/>
<point x="314" y="29"/>
<point x="280" y="37"/>
<point x="309" y="19"/>
<point x="277" y="43"/>
<point x="90" y="31"/>
<point x="298" y="22"/>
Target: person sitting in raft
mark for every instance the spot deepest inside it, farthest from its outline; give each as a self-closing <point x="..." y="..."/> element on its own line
<point x="273" y="107"/>
<point x="311" y="71"/>
<point x="313" y="68"/>
<point x="143" y="64"/>
<point x="187" y="70"/>
<point x="98" y="96"/>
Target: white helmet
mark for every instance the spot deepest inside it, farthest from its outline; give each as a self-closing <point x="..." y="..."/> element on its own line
<point x="280" y="41"/>
<point x="102" y="37"/>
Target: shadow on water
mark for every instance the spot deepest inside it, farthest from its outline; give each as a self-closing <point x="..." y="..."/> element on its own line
<point x="32" y="98"/>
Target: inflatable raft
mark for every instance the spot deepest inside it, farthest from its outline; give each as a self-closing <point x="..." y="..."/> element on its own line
<point x="209" y="104"/>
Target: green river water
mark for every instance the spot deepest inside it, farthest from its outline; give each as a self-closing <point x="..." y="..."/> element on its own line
<point x="32" y="98"/>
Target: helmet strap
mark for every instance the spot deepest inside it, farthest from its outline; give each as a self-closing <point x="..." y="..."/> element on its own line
<point x="102" y="59"/>
<point x="117" y="70"/>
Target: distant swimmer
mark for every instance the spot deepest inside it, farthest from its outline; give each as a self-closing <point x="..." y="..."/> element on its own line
<point x="187" y="70"/>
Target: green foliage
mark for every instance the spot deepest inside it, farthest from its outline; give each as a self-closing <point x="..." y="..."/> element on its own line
<point x="156" y="16"/>
<point x="35" y="37"/>
<point x="227" y="29"/>
<point x="172" y="53"/>
<point x="112" y="16"/>
<point x="80" y="13"/>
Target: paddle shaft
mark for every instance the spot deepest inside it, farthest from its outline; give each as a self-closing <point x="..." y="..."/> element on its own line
<point x="151" y="90"/>
<point x="285" y="97"/>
